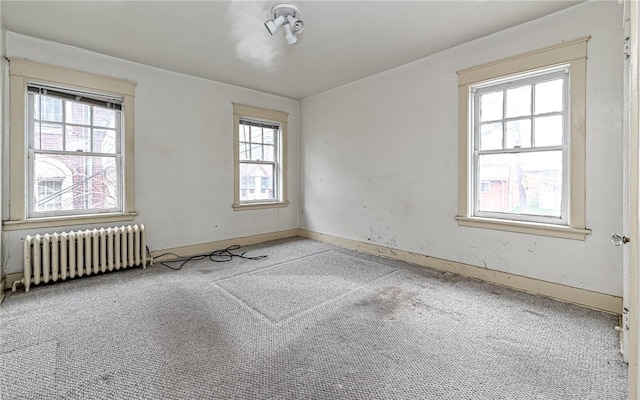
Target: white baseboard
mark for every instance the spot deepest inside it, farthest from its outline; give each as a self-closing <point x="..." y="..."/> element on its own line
<point x="206" y="248"/>
<point x="582" y="297"/>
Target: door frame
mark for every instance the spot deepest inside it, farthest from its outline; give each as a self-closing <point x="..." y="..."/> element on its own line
<point x="634" y="185"/>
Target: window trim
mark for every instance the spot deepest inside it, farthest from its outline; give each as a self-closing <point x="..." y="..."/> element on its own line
<point x="21" y="74"/>
<point x="243" y="111"/>
<point x="572" y="53"/>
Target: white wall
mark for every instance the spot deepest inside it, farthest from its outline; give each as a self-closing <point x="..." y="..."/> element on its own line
<point x="183" y="151"/>
<point x="380" y="158"/>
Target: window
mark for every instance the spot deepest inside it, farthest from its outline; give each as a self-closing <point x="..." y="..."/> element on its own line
<point x="522" y="140"/>
<point x="76" y="141"/>
<point x="71" y="147"/>
<point x="519" y="139"/>
<point x="259" y="140"/>
<point x="258" y="161"/>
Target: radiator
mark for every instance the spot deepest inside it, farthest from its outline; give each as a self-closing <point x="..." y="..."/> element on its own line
<point x="66" y="255"/>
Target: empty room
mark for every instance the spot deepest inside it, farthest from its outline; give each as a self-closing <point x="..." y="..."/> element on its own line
<point x="319" y="199"/>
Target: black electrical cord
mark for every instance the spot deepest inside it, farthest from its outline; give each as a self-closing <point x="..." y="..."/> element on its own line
<point x="215" y="256"/>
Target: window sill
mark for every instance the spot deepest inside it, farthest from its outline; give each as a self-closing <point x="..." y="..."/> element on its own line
<point x="259" y="206"/>
<point x="531" y="228"/>
<point x="35" y="223"/>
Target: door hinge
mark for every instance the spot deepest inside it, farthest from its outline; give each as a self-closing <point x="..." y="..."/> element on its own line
<point x="625" y="319"/>
<point x="626" y="50"/>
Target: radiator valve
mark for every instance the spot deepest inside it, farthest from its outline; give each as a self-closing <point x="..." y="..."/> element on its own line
<point x="15" y="284"/>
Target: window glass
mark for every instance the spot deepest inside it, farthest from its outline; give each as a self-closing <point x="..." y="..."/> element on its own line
<point x="258" y="177"/>
<point x="549" y="96"/>
<point x="491" y="136"/>
<point x="74" y="162"/>
<point x="491" y="106"/>
<point x="519" y="101"/>
<point x="86" y="182"/>
<point x="524" y="183"/>
<point x="549" y="130"/>
<point x="258" y="161"/>
<point x="520" y="160"/>
<point x="518" y="134"/>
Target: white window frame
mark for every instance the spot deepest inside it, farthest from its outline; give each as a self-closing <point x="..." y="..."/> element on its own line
<point x="32" y="152"/>
<point x="560" y="72"/>
<point x="572" y="54"/>
<point x="23" y="73"/>
<point x="257" y="114"/>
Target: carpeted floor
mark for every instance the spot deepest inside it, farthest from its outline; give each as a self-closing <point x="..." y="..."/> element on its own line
<point x="311" y="321"/>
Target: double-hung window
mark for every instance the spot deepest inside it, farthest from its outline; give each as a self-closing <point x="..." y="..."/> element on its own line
<point x="74" y="152"/>
<point x="260" y="144"/>
<point x="520" y="147"/>
<point x="522" y="143"/>
<point x="259" y="161"/>
<point x="71" y="147"/>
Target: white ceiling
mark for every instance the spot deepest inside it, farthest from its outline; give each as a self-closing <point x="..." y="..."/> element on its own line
<point x="226" y="41"/>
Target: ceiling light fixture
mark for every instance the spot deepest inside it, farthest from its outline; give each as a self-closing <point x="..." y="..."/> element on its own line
<point x="285" y="15"/>
<point x="289" y="36"/>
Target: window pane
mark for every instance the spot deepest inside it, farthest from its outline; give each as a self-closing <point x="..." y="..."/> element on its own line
<point x="245" y="133"/>
<point x="549" y="96"/>
<point x="519" y="133"/>
<point x="491" y="106"/>
<point x="258" y="181"/>
<point x="256" y="134"/>
<point x="104" y="117"/>
<point x="269" y="135"/>
<point x="86" y="183"/>
<point x="104" y="141"/>
<point x="78" y="138"/>
<point x="47" y="136"/>
<point x="519" y="101"/>
<point x="256" y="152"/>
<point x="521" y="183"/>
<point x="47" y="108"/>
<point x="490" y="136"/>
<point x="269" y="153"/>
<point x="548" y="131"/>
<point x="244" y="151"/>
<point x="77" y="113"/>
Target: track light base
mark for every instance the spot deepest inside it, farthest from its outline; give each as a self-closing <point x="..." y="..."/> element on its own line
<point x="284" y="10"/>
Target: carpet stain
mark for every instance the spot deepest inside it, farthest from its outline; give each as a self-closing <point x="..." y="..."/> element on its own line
<point x="389" y="300"/>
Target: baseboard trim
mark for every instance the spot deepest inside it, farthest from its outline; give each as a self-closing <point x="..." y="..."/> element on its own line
<point x="205" y="248"/>
<point x="582" y="297"/>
